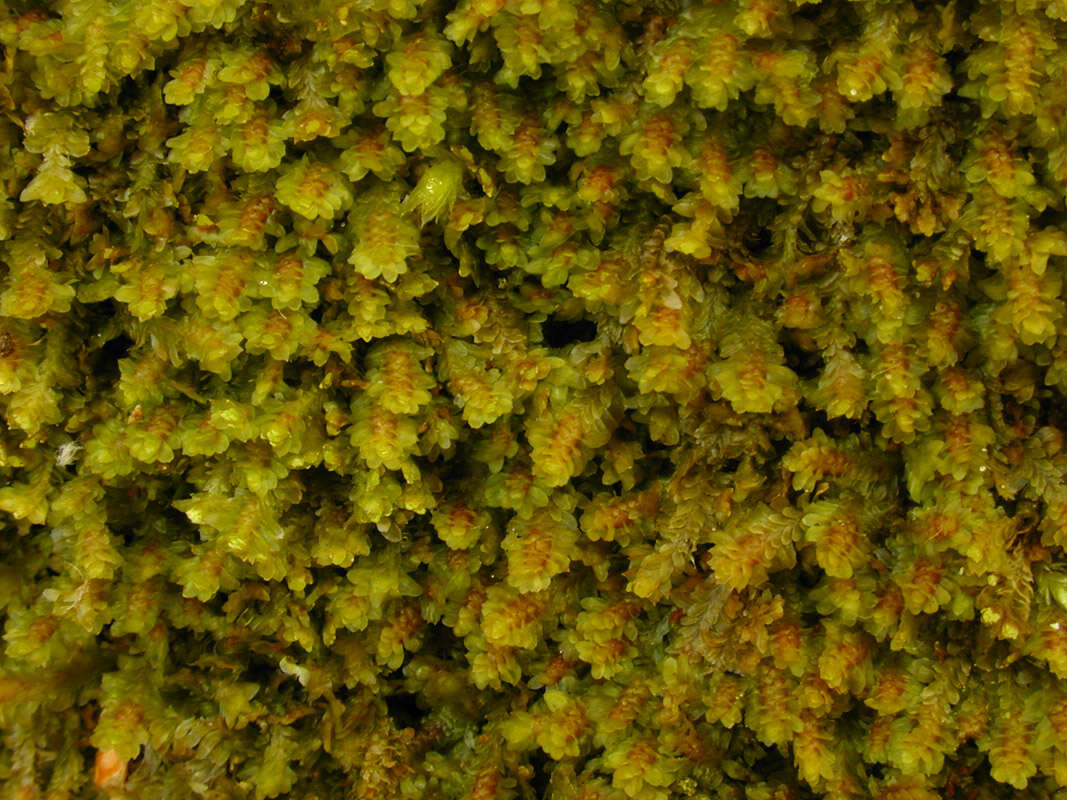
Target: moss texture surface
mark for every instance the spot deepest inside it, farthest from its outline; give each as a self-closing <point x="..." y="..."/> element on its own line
<point x="522" y="399"/>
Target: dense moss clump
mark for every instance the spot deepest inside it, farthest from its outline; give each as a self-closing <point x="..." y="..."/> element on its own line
<point x="533" y="399"/>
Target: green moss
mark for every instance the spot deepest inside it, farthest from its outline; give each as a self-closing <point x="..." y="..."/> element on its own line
<point x="544" y="398"/>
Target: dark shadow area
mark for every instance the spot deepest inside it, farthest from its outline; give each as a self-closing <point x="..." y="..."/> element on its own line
<point x="807" y="364"/>
<point x="109" y="355"/>
<point x="562" y="332"/>
<point x="757" y="242"/>
<point x="404" y="710"/>
<point x="541" y="766"/>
